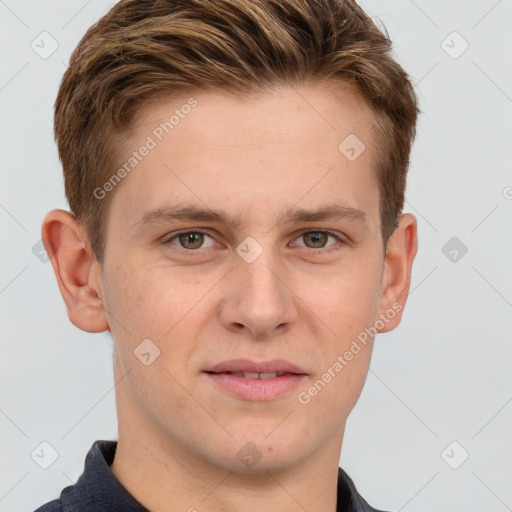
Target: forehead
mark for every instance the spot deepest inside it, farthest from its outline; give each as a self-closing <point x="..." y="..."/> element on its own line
<point x="310" y="146"/>
<point x="293" y="113"/>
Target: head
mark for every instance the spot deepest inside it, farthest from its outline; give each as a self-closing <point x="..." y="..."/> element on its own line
<point x="289" y="125"/>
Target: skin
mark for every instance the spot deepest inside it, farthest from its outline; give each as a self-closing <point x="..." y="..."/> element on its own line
<point x="179" y="434"/>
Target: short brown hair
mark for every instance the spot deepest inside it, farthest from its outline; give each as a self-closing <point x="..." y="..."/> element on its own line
<point x="143" y="50"/>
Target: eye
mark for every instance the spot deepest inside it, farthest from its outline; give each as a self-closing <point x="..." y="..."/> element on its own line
<point x="318" y="239"/>
<point x="190" y="240"/>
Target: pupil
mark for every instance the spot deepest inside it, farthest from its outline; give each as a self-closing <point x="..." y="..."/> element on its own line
<point x="316" y="237"/>
<point x="191" y="238"/>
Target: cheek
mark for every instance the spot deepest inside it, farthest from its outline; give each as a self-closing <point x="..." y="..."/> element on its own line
<point x="334" y="391"/>
<point x="150" y="302"/>
<point x="345" y="301"/>
<point x="143" y="304"/>
<point x="346" y="307"/>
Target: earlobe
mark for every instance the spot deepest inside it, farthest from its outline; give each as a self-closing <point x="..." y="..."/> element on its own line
<point x="76" y="269"/>
<point x="396" y="280"/>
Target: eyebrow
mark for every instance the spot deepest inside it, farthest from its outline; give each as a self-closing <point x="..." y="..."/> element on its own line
<point x="198" y="214"/>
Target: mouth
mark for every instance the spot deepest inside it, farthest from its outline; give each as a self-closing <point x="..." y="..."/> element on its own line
<point x="256" y="375"/>
<point x="261" y="370"/>
<point x="249" y="380"/>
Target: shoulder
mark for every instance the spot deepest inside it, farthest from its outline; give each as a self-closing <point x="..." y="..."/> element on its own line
<point x="347" y="487"/>
<point x="94" y="483"/>
<point x="51" y="506"/>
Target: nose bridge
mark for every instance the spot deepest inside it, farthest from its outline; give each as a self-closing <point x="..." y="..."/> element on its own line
<point x="260" y="277"/>
<point x="258" y="297"/>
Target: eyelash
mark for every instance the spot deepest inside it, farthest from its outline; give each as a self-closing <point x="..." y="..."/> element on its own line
<point x="321" y="250"/>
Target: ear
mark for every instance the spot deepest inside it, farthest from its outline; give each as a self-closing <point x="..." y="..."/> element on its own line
<point x="396" y="277"/>
<point x="77" y="271"/>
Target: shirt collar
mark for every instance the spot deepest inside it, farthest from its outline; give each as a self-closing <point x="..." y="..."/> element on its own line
<point x="98" y="489"/>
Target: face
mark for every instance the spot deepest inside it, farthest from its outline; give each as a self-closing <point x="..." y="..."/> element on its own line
<point x="257" y="276"/>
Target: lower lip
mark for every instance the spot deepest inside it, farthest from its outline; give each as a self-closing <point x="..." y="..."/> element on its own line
<point x="256" y="389"/>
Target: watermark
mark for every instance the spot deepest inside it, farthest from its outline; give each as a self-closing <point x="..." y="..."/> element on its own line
<point x="42" y="250"/>
<point x="454" y="45"/>
<point x="352" y="147"/>
<point x="454" y="249"/>
<point x="507" y="193"/>
<point x="44" y="455"/>
<point x="455" y="455"/>
<point x="44" y="45"/>
<point x="249" y="455"/>
<point x="249" y="250"/>
<point x="304" y="397"/>
<point x="146" y="352"/>
<point x="151" y="142"/>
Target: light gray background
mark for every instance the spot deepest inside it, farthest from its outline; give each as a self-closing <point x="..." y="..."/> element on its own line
<point x="442" y="376"/>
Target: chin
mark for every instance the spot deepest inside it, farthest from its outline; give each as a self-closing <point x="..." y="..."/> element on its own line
<point x="268" y="463"/>
<point x="257" y="455"/>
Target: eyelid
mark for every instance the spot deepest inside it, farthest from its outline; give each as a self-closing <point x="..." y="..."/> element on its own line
<point x="171" y="236"/>
<point x="340" y="239"/>
<point x="335" y="234"/>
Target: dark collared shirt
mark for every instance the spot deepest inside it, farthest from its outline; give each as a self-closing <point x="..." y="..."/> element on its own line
<point x="98" y="490"/>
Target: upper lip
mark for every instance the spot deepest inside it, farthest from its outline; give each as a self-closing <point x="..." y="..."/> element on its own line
<point x="246" y="365"/>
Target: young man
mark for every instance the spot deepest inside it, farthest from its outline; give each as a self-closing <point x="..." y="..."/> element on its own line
<point x="235" y="171"/>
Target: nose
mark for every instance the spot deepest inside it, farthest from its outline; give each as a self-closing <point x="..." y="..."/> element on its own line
<point x="258" y="297"/>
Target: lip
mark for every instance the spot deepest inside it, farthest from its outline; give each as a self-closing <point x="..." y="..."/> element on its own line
<point x="246" y="365"/>
<point x="256" y="389"/>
